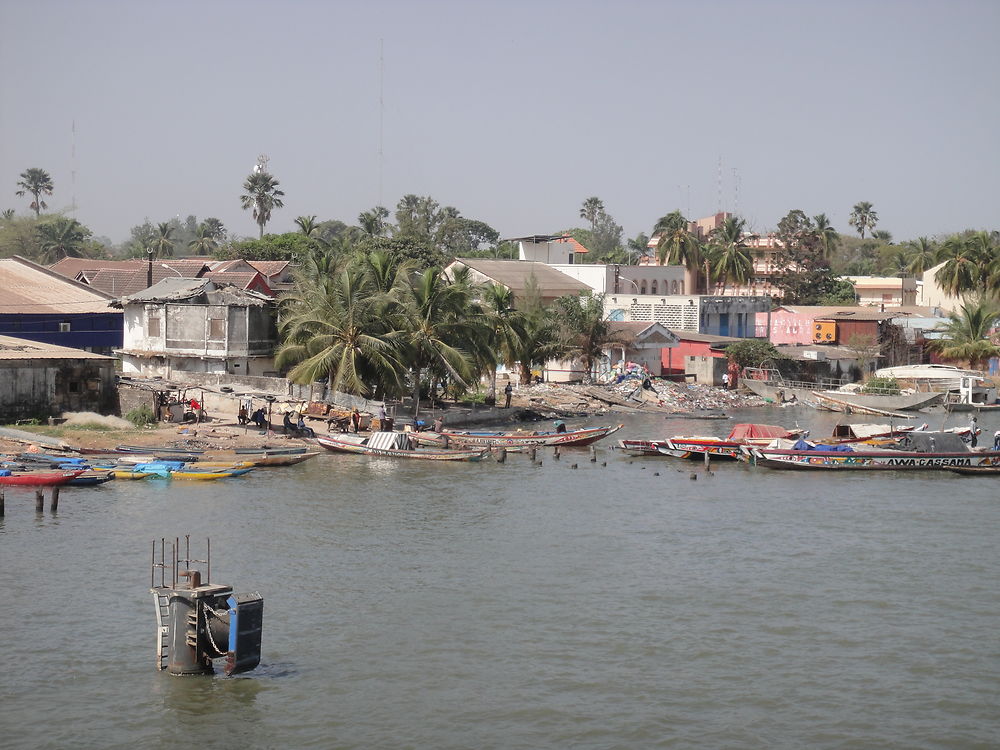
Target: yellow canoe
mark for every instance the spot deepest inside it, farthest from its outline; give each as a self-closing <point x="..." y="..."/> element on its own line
<point x="218" y="474"/>
<point x="131" y="474"/>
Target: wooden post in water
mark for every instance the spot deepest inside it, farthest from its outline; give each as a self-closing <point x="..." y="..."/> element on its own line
<point x="532" y="453"/>
<point x="501" y="455"/>
<point x="593" y="454"/>
<point x="555" y="452"/>
<point x="708" y="460"/>
<point x="1" y="502"/>
<point x="54" y="502"/>
<point x="39" y="500"/>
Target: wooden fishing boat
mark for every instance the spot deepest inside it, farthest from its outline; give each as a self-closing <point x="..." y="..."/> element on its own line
<point x="769" y="384"/>
<point x="727" y="448"/>
<point x="517" y="439"/>
<point x="90" y="479"/>
<point x="263" y="459"/>
<point x="208" y="474"/>
<point x="641" y="447"/>
<point x="916" y="451"/>
<point x="839" y="403"/>
<point x="37" y="478"/>
<point x="124" y="474"/>
<point x="396" y="445"/>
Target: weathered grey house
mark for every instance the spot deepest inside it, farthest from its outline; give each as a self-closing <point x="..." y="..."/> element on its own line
<point x="39" y="379"/>
<point x="197" y="326"/>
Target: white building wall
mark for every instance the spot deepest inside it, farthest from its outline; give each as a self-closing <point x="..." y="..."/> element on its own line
<point x="593" y="275"/>
<point x="546" y="252"/>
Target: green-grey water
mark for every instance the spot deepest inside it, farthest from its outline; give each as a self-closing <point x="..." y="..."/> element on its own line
<point x="615" y="604"/>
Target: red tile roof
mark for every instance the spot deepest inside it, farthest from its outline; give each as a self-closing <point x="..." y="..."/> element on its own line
<point x="576" y="246"/>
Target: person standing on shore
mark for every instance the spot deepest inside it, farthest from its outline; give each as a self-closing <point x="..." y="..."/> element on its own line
<point x="725" y="380"/>
<point x="507" y="393"/>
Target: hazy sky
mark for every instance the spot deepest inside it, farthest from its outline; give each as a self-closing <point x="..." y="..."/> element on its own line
<point x="514" y="112"/>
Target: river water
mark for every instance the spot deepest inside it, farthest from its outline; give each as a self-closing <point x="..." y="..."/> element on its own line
<point x="622" y="603"/>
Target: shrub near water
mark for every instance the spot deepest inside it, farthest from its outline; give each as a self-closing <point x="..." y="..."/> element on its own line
<point x="140" y="416"/>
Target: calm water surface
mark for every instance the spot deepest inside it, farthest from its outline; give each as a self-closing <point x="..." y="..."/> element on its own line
<point x="624" y="605"/>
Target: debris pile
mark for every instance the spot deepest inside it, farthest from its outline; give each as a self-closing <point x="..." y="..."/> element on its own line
<point x="631" y="394"/>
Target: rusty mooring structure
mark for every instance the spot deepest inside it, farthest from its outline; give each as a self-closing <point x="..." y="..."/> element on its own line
<point x="198" y="621"/>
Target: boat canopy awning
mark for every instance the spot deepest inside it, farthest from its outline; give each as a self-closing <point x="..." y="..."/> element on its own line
<point x="743" y="431"/>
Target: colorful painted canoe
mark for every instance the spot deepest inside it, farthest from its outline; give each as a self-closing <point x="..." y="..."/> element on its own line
<point x="517" y="439"/>
<point x="396" y="445"/>
<point x="38" y="478"/>
<point x="892" y="460"/>
<point x="727" y="448"/>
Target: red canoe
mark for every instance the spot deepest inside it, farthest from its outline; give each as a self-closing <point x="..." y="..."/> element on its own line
<point x="39" y="478"/>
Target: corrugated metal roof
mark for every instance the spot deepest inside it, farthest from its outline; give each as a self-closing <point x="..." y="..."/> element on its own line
<point x="31" y="289"/>
<point x="182" y="290"/>
<point x="119" y="282"/>
<point x="15" y="348"/>
<point x="514" y="274"/>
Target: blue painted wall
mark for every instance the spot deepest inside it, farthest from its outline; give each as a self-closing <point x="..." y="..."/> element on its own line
<point x="99" y="332"/>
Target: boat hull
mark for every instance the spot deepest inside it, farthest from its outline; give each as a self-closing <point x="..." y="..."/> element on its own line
<point x="519" y="439"/>
<point x="641" y="447"/>
<point x="901" y="402"/>
<point x="39" y="479"/>
<point x="427" y="454"/>
<point x="869" y="460"/>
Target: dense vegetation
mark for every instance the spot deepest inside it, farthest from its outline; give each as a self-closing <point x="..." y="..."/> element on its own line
<point x="384" y="270"/>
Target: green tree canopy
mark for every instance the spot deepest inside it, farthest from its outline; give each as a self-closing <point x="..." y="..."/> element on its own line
<point x="289" y="246"/>
<point x="965" y="337"/>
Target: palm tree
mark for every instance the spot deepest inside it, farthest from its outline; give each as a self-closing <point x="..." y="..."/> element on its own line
<point x="503" y="325"/>
<point x="863" y="217"/>
<point x="679" y="247"/>
<point x="731" y="254"/>
<point x="7" y="214"/>
<point x="37" y="182"/>
<point x="373" y="222"/>
<point x="585" y="330"/>
<point x="163" y="244"/>
<point x="437" y="329"/>
<point x="966" y="334"/>
<point x="204" y="242"/>
<point x="332" y="329"/>
<point x="61" y="238"/>
<point x="306" y="224"/>
<point x="965" y="267"/>
<point x="827" y="235"/>
<point x="592" y="209"/>
<point x="920" y="254"/>
<point x="261" y="196"/>
<point x="539" y="340"/>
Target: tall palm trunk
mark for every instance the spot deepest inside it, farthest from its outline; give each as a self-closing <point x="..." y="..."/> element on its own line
<point x="416" y="392"/>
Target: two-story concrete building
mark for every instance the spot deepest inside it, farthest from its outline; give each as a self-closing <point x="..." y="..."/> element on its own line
<point x="197" y="325"/>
